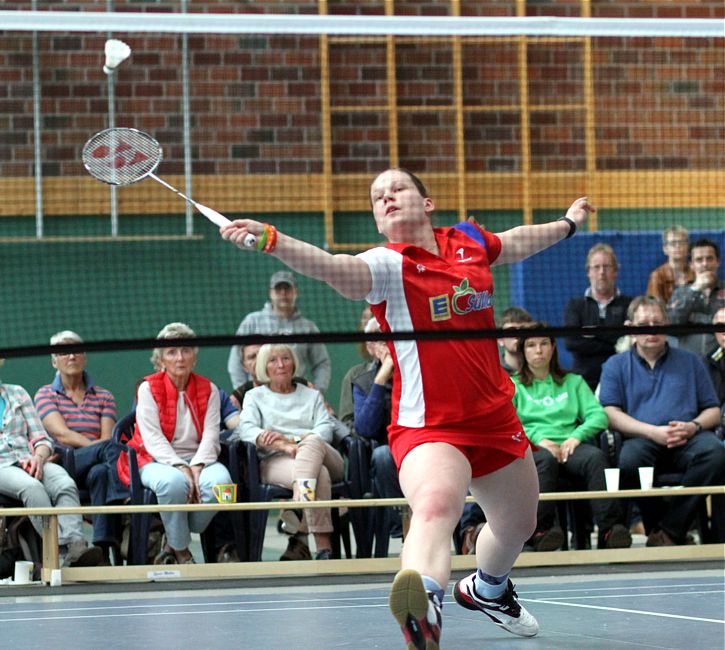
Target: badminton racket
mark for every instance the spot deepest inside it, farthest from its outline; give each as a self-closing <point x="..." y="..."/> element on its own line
<point x="122" y="156"/>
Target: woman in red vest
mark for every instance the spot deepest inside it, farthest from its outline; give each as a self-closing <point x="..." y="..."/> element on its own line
<point x="177" y="441"/>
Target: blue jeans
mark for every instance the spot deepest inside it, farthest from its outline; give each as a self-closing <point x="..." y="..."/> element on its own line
<point x="56" y="489"/>
<point x="171" y="486"/>
<point x="95" y="469"/>
<point x="386" y="484"/>
<point x="701" y="460"/>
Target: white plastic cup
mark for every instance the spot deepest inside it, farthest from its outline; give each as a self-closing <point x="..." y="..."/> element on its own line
<point x="56" y="578"/>
<point x="646" y="477"/>
<point x="23" y="572"/>
<point x="611" y="476"/>
<point x="306" y="488"/>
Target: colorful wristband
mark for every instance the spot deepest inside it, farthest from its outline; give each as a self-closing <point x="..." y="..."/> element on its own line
<point x="263" y="239"/>
<point x="271" y="240"/>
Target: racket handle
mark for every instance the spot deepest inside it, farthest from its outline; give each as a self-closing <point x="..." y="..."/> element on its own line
<point x="213" y="216"/>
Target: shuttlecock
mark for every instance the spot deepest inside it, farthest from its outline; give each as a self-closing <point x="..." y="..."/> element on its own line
<point x="116" y="53"/>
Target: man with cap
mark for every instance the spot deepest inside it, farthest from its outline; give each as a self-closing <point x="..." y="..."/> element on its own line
<point x="280" y="316"/>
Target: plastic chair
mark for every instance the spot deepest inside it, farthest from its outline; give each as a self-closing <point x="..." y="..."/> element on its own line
<point x="244" y="464"/>
<point x="141" y="522"/>
<point x="611" y="442"/>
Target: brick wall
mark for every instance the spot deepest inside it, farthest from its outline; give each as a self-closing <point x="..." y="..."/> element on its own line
<point x="256" y="107"/>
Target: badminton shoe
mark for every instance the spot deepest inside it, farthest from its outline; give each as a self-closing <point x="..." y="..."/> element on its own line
<point x="418" y="612"/>
<point x="505" y="611"/>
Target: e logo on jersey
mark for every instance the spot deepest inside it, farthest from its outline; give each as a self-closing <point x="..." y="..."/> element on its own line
<point x="465" y="299"/>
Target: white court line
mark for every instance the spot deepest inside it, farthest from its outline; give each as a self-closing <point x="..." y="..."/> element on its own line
<point x="623" y="586"/>
<point x="187" y="613"/>
<point x="625" y="611"/>
<point x="627" y="595"/>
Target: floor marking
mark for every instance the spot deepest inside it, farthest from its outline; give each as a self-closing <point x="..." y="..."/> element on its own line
<point x="625" y="611"/>
<point x="667" y="593"/>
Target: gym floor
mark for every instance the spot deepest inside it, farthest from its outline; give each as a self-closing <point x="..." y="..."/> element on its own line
<point x="646" y="606"/>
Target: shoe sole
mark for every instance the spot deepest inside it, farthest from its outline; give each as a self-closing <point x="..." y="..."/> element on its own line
<point x="408" y="599"/>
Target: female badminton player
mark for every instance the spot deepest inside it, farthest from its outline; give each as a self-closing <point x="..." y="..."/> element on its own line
<point x="453" y="425"/>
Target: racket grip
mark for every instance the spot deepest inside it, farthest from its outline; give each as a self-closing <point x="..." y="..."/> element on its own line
<point x="250" y="241"/>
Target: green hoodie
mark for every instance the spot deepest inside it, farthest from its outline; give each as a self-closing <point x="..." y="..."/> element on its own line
<point x="556" y="412"/>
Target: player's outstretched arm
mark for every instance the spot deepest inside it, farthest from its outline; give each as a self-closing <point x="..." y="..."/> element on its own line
<point x="348" y="275"/>
<point x="524" y="241"/>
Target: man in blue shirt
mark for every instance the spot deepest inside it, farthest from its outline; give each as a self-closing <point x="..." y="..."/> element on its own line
<point x="662" y="402"/>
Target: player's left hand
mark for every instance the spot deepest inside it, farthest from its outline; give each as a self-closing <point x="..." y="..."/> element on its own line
<point x="579" y="210"/>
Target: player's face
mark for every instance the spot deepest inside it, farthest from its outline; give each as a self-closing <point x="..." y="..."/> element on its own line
<point x="538" y="352"/>
<point x="719" y="319"/>
<point x="602" y="273"/>
<point x="649" y="315"/>
<point x="398" y="205"/>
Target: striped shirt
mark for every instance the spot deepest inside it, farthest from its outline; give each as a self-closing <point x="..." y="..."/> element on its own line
<point x="22" y="430"/>
<point x="84" y="418"/>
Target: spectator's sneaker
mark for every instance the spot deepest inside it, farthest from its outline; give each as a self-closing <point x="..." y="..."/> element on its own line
<point x="661" y="538"/>
<point x="615" y="537"/>
<point x="548" y="540"/>
<point x="324" y="554"/>
<point x="80" y="554"/>
<point x="504" y="611"/>
<point x="297" y="549"/>
<point x="418" y="612"/>
<point x="291" y="520"/>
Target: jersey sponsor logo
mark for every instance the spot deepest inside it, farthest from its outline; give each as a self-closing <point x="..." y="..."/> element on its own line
<point x="420" y="268"/>
<point x="440" y="307"/>
<point x="462" y="254"/>
<point x="518" y="436"/>
<point x="465" y="299"/>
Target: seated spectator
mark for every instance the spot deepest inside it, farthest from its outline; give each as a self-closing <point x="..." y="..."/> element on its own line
<point x="176" y="439"/>
<point x="371" y="396"/>
<point x="602" y="304"/>
<point x="26" y="474"/>
<point x="508" y="348"/>
<point x="560" y="415"/>
<point x="661" y="401"/>
<point x="81" y="415"/>
<point x="346" y="410"/>
<point x="292" y="430"/>
<point x="281" y="316"/>
<point x="676" y="271"/>
<point x="698" y="301"/>
<point x="715" y="362"/>
<point x="473" y="519"/>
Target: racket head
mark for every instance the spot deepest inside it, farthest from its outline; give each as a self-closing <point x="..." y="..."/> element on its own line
<point x="121" y="156"/>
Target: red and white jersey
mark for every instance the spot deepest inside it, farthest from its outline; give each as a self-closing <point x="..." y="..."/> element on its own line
<point x="447" y="390"/>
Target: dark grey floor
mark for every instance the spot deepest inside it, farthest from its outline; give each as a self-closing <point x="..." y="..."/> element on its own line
<point x="669" y="609"/>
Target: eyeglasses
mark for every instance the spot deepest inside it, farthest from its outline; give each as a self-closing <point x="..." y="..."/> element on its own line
<point x="677" y="242"/>
<point x="67" y="354"/>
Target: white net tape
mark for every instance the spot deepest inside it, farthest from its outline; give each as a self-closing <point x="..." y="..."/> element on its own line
<point x="60" y="21"/>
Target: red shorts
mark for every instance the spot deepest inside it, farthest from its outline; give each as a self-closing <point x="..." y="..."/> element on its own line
<point x="486" y="458"/>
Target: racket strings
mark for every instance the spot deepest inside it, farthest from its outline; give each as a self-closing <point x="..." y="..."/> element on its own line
<point x="121" y="156"/>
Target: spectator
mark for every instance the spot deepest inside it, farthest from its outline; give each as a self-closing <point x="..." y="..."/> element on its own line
<point x="697" y="302"/>
<point x="81" y="415"/>
<point x="26" y="474"/>
<point x="176" y="439"/>
<point x="280" y="316"/>
<point x="715" y="361"/>
<point x="561" y="417"/>
<point x="661" y="401"/>
<point x="602" y="304"/>
<point x="292" y="430"/>
<point x="676" y="271"/>
<point x="508" y="348"/>
<point x="371" y="395"/>
<point x="346" y="410"/>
